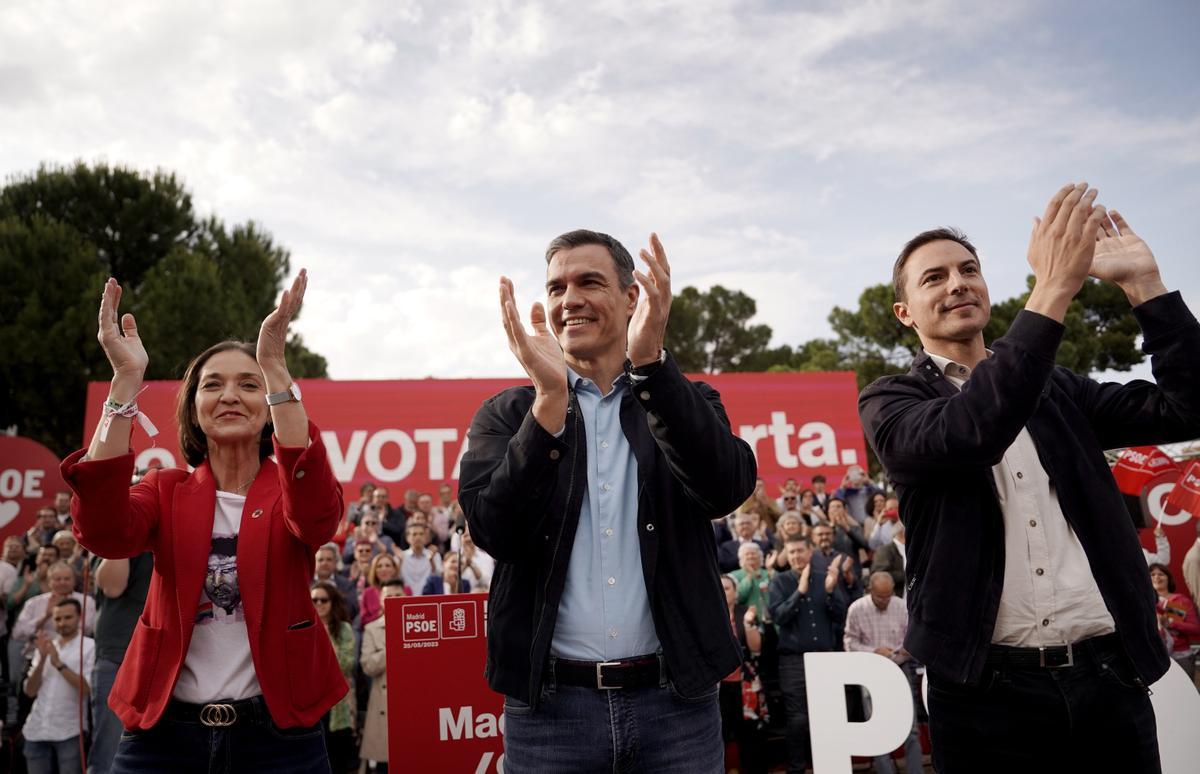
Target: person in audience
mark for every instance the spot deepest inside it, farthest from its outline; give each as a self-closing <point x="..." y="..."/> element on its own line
<point x="743" y="702"/>
<point x="374" y="750"/>
<point x="449" y="579"/>
<point x="31" y="582"/>
<point x="812" y="513"/>
<point x="368" y="531"/>
<point x="418" y="562"/>
<point x="745" y="527"/>
<point x="384" y="567"/>
<point x="806" y="608"/>
<point x="339" y="722"/>
<point x="1191" y="566"/>
<point x="43" y="530"/>
<point x="856" y="493"/>
<point x="820" y="494"/>
<point x="38" y="613"/>
<point x="891" y="558"/>
<point x="366" y="493"/>
<point x="1162" y="548"/>
<point x="886" y="523"/>
<point x="1177" y="616"/>
<point x="123" y="585"/>
<point x="56" y="680"/>
<point x="877" y="623"/>
<point x="478" y="565"/>
<point x="325" y="570"/>
<point x="752" y="578"/>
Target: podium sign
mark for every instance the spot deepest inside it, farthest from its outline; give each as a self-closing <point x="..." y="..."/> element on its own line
<point x="441" y="714"/>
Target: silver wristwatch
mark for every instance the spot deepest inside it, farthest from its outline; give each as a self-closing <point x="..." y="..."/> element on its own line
<point x="291" y="393"/>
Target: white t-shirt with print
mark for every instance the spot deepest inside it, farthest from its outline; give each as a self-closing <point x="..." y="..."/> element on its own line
<point x="218" y="663"/>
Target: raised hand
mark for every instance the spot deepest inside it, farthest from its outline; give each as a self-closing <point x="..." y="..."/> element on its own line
<point x="1061" y="249"/>
<point x="541" y="357"/>
<point x="648" y="327"/>
<point x="272" y="335"/>
<point x="120" y="339"/>
<point x="1124" y="259"/>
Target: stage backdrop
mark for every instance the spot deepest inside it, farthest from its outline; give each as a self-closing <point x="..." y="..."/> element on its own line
<point x="412" y="434"/>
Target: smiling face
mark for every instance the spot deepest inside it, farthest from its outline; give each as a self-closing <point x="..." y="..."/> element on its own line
<point x="589" y="311"/>
<point x="62" y="580"/>
<point x="945" y="297"/>
<point x="230" y="404"/>
<point x="799" y="554"/>
<point x="1160" y="582"/>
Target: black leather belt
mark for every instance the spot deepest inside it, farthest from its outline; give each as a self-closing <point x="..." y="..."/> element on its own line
<point x="637" y="672"/>
<point x="1054" y="656"/>
<point x="219" y="714"/>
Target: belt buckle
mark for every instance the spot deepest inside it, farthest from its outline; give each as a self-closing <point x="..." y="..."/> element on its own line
<point x="600" y="677"/>
<point x="218" y="715"/>
<point x="1042" y="658"/>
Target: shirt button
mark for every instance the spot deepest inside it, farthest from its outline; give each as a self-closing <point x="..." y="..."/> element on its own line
<point x="1033" y="522"/>
<point x="608" y="487"/>
<point x="604" y="444"/>
<point x="1040" y="571"/>
<point x="649" y="527"/>
<point x="613" y="633"/>
<point x="644" y="395"/>
<point x="1045" y="622"/>
<point x="1020" y="474"/>
<point x="554" y="454"/>
<point x="299" y="474"/>
<point x="608" y="532"/>
<point x="612" y="581"/>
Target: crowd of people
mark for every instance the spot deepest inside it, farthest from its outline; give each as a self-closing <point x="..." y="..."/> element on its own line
<point x="70" y="616"/>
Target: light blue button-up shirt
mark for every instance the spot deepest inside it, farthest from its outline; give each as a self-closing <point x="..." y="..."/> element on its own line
<point x="604" y="613"/>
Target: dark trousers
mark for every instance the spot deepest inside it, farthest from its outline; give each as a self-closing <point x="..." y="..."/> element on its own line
<point x="1093" y="716"/>
<point x="184" y="747"/>
<point x="795" y="697"/>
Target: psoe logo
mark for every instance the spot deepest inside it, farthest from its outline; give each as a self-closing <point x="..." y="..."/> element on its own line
<point x="420" y="622"/>
<point x="458" y="620"/>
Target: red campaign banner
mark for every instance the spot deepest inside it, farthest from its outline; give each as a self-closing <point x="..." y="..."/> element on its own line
<point x="411" y="434"/>
<point x="1136" y="466"/>
<point x="441" y="714"/>
<point x="1186" y="494"/>
<point x="29" y="479"/>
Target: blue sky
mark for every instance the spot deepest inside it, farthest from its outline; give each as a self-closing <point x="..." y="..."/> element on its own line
<point x="408" y="153"/>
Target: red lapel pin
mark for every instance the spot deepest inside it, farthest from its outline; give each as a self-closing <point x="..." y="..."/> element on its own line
<point x="257" y="513"/>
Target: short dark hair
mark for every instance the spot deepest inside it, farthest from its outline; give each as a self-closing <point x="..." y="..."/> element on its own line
<point x="833" y="500"/>
<point x="920" y="240"/>
<point x="73" y="602"/>
<point x="798" y="538"/>
<point x="392" y="582"/>
<point x="818" y="479"/>
<point x="622" y="260"/>
<point x="192" y="441"/>
<point x="1163" y="569"/>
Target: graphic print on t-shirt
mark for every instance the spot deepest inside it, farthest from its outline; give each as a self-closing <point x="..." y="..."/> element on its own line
<point x="222" y="599"/>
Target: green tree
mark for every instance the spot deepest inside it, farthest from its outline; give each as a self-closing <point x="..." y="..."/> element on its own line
<point x="710" y="332"/>
<point x="191" y="282"/>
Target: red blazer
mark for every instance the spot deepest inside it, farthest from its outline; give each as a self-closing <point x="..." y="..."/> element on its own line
<point x="292" y="508"/>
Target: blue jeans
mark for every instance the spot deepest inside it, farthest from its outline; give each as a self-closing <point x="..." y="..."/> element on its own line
<point x="179" y="746"/>
<point x="577" y="729"/>
<point x="106" y="728"/>
<point x="40" y="756"/>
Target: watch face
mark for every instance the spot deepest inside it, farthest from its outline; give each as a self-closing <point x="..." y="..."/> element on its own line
<point x="295" y="390"/>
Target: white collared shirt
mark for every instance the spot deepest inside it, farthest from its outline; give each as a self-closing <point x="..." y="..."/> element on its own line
<point x="54" y="716"/>
<point x="1050" y="596"/>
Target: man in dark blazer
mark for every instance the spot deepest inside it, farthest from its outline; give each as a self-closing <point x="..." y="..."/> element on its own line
<point x="1028" y="595"/>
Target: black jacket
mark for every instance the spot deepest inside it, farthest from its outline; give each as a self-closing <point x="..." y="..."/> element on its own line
<point x="807" y="623"/>
<point x="938" y="445"/>
<point x="522" y="489"/>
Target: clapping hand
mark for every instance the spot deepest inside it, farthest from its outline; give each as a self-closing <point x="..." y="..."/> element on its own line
<point x="272" y="335"/>
<point x="541" y="357"/>
<point x="1062" y="247"/>
<point x="1124" y="259"/>
<point x="122" y="346"/>
<point x="648" y="327"/>
<point x="44" y="645"/>
<point x="831" y="575"/>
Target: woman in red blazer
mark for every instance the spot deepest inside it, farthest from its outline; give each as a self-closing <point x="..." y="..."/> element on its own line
<point x="229" y="668"/>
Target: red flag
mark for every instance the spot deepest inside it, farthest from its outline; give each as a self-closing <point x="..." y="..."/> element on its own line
<point x="1136" y="466"/>
<point x="1186" y="494"/>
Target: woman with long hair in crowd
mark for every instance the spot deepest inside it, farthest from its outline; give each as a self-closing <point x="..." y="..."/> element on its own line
<point x="1177" y="618"/>
<point x="229" y="668"/>
<point x="384" y="567"/>
<point x="340" y="720"/>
